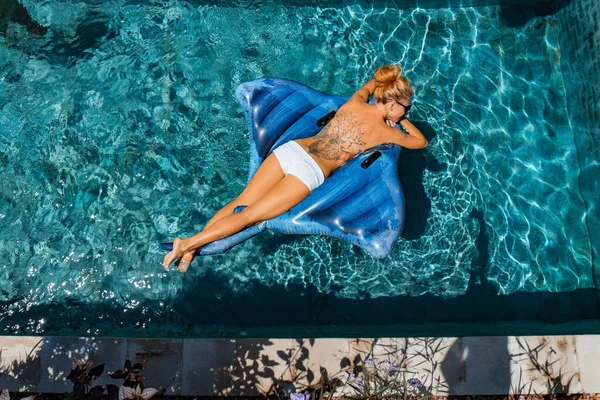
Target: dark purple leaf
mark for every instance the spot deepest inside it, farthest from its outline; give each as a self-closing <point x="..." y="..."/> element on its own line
<point x="96" y="392"/>
<point x="337" y="382"/>
<point x="131" y="384"/>
<point x="137" y="368"/>
<point x="345" y="363"/>
<point x="113" y="392"/>
<point x="96" y="372"/>
<point x="118" y="374"/>
<point x="127" y="365"/>
<point x="311" y="341"/>
<point x="74" y="375"/>
<point x="283" y="355"/>
<point x="78" y="390"/>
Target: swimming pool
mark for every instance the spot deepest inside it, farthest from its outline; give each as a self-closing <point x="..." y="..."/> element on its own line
<point x="119" y="129"/>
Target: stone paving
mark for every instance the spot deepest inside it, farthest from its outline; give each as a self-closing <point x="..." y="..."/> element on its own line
<point x="248" y="367"/>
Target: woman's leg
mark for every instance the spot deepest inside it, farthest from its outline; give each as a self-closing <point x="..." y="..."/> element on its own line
<point x="268" y="174"/>
<point x="288" y="192"/>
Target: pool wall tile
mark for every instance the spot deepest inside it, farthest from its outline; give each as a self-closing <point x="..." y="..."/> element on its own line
<point x="580" y="63"/>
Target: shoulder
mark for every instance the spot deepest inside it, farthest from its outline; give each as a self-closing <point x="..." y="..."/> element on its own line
<point x="355" y="105"/>
<point x="360" y="96"/>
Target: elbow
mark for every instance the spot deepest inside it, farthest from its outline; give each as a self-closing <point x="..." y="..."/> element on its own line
<point x="425" y="144"/>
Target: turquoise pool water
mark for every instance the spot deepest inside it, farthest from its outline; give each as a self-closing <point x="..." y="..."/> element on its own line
<point x="119" y="128"/>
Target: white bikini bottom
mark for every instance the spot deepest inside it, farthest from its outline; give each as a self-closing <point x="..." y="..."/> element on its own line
<point x="296" y="161"/>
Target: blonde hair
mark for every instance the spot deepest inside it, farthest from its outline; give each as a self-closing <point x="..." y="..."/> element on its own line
<point x="390" y="86"/>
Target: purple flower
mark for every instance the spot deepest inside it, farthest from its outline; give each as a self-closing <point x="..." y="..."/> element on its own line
<point x="300" y="396"/>
<point x="414" y="382"/>
<point x="393" y="367"/>
<point x="361" y="383"/>
<point x="370" y="361"/>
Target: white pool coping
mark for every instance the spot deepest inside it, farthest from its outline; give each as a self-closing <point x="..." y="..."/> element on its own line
<point x="206" y="367"/>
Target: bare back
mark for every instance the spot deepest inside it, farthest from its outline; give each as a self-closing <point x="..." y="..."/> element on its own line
<point x="353" y="129"/>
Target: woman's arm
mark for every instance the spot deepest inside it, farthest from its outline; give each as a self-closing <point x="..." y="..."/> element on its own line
<point x="413" y="140"/>
<point x="365" y="92"/>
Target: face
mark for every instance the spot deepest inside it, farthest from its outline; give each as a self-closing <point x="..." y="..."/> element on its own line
<point x="399" y="109"/>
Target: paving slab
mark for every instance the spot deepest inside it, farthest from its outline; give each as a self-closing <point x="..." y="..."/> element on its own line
<point x="588" y="356"/>
<point x="19" y="363"/>
<point x="301" y="361"/>
<point x="165" y="362"/>
<point x="58" y="353"/>
<point x="545" y="363"/>
<point x="209" y="367"/>
<point x="485" y="367"/>
<point x="247" y="367"/>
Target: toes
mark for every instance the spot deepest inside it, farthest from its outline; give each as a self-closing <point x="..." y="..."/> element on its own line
<point x="183" y="266"/>
<point x="168" y="260"/>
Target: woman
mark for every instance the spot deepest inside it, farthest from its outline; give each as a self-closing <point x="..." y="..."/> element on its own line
<point x="296" y="168"/>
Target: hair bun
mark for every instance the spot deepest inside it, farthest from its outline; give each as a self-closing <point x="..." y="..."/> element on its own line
<point x="387" y="74"/>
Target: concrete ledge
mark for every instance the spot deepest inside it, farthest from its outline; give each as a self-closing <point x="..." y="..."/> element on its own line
<point x="250" y="367"/>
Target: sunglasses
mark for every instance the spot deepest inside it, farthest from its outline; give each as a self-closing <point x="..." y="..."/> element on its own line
<point x="406" y="108"/>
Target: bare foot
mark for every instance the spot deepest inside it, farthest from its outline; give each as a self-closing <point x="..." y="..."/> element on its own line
<point x="185" y="261"/>
<point x="174" y="254"/>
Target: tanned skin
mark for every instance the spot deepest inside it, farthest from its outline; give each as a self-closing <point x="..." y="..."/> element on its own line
<point x="359" y="126"/>
<point x="356" y="127"/>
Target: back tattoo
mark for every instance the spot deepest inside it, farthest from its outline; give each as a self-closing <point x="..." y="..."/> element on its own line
<point x="336" y="142"/>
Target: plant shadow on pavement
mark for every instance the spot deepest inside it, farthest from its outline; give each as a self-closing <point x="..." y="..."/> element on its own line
<point x="364" y="369"/>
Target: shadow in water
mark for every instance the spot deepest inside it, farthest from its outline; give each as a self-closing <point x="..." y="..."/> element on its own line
<point x="208" y="307"/>
<point x="411" y="166"/>
<point x="13" y="11"/>
<point x="534" y="13"/>
<point x="60" y="48"/>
